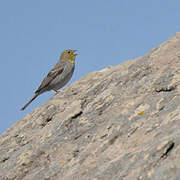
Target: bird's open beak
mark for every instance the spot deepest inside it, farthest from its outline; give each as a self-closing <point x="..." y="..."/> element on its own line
<point x="74" y="52"/>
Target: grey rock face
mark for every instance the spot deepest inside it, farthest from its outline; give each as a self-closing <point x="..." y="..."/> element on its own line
<point x="120" y="123"/>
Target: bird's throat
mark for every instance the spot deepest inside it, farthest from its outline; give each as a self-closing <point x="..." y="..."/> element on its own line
<point x="72" y="59"/>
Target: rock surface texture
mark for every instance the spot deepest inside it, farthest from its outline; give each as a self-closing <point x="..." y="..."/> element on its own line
<point x="121" y="123"/>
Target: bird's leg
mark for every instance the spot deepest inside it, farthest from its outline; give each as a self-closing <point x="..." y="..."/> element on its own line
<point x="54" y="91"/>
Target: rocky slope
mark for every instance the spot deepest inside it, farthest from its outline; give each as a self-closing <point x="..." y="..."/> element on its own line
<point x="119" y="123"/>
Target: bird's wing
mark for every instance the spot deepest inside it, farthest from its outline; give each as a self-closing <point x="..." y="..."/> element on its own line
<point x="57" y="70"/>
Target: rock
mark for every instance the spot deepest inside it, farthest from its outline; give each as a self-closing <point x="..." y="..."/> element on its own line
<point x="118" y="123"/>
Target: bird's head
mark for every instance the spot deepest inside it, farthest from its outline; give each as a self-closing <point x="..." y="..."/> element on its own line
<point x="69" y="55"/>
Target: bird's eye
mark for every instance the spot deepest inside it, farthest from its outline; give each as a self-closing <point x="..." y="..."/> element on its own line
<point x="69" y="52"/>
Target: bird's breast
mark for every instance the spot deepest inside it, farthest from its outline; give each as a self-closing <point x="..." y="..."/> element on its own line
<point x="63" y="78"/>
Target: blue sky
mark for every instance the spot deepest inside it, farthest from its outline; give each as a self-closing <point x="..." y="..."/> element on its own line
<point x="34" y="33"/>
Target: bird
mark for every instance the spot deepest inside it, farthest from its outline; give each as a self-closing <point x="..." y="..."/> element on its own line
<point x="58" y="76"/>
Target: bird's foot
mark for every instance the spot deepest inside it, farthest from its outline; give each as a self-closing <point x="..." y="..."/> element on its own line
<point x="54" y="91"/>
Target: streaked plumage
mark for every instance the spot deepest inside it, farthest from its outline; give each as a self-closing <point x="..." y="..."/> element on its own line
<point x="58" y="76"/>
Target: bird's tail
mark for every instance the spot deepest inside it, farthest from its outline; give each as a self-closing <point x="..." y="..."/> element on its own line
<point x="34" y="97"/>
